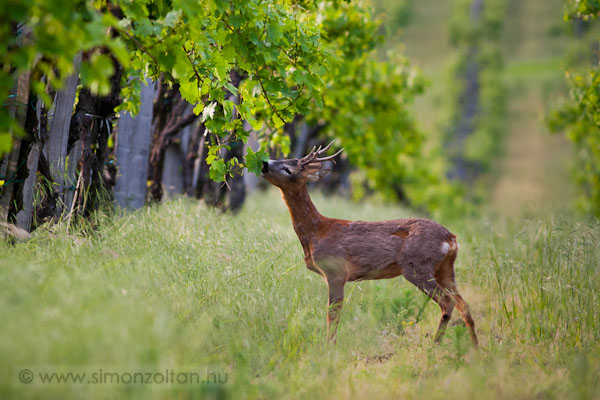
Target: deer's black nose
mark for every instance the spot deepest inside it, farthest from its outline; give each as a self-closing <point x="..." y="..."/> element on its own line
<point x="265" y="167"/>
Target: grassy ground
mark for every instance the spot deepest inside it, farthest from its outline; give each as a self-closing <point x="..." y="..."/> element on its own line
<point x="185" y="288"/>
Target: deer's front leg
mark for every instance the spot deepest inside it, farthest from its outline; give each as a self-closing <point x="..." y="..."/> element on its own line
<point x="336" y="298"/>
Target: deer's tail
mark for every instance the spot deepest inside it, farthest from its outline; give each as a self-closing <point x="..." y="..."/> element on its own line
<point x="444" y="272"/>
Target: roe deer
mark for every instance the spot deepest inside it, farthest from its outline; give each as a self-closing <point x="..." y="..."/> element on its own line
<point x="343" y="251"/>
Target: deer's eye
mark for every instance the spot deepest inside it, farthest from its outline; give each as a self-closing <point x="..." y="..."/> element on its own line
<point x="286" y="170"/>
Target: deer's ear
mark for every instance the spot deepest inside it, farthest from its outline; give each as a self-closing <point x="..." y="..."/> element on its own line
<point x="317" y="171"/>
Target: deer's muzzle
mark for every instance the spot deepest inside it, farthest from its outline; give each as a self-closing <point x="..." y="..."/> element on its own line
<point x="265" y="167"/>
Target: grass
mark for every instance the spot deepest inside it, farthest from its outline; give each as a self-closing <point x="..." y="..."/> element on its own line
<point x="184" y="287"/>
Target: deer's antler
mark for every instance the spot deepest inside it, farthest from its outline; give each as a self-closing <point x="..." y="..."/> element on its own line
<point x="329" y="157"/>
<point x="312" y="156"/>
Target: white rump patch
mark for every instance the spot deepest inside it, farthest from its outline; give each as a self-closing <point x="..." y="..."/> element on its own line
<point x="445" y="247"/>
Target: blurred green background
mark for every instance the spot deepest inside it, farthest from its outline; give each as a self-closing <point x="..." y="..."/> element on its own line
<point x="530" y="169"/>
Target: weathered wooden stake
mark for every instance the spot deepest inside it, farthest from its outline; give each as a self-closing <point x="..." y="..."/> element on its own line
<point x="10" y="164"/>
<point x="134" y="137"/>
<point x="55" y="149"/>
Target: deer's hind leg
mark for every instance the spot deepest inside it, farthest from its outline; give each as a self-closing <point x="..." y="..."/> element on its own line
<point x="425" y="280"/>
<point x="465" y="313"/>
<point x="446" y="303"/>
<point x="444" y="277"/>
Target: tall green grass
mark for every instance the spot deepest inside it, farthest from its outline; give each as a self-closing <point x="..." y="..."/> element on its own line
<point x="184" y="287"/>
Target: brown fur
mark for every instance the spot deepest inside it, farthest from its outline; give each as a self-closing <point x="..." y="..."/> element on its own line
<point x="343" y="251"/>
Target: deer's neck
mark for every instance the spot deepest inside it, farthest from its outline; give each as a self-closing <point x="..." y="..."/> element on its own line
<point x="305" y="217"/>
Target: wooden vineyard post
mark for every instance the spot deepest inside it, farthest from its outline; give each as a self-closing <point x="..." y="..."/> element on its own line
<point x="10" y="165"/>
<point x="55" y="149"/>
<point x="134" y="137"/>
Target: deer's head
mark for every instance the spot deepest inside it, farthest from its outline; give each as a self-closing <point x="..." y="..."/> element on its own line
<point x="298" y="171"/>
